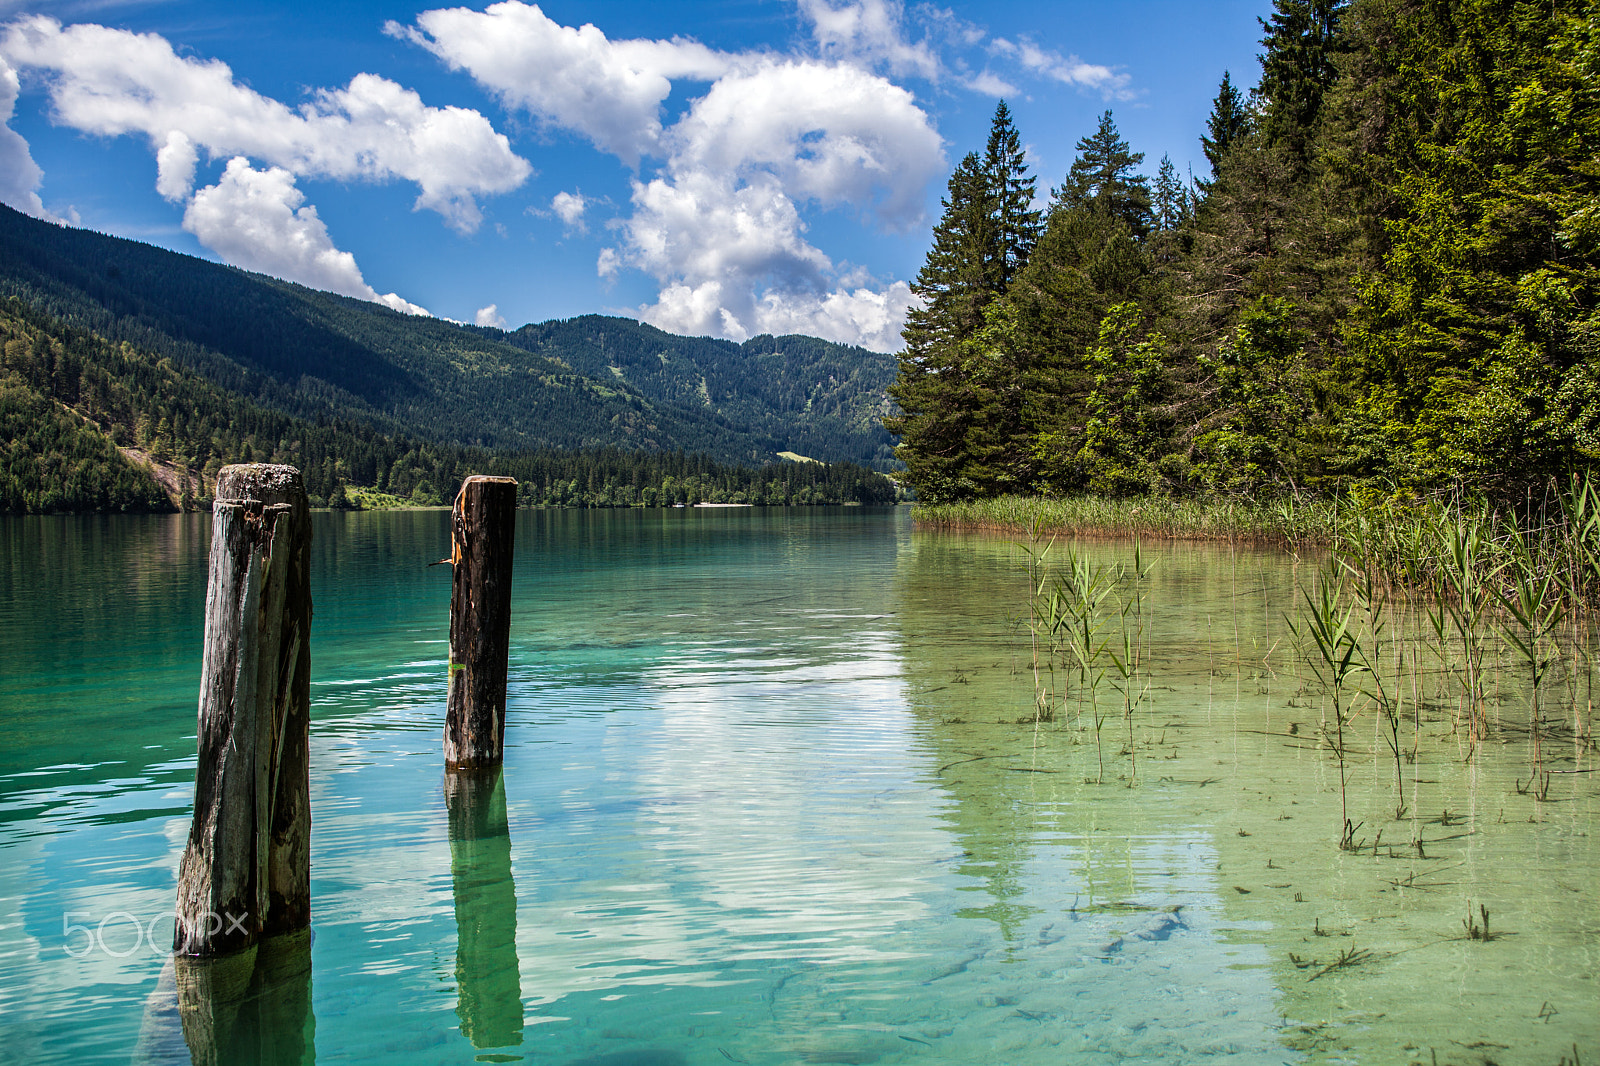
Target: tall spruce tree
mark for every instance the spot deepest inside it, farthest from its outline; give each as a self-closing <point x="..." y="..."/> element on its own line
<point x="1170" y="204"/>
<point x="1104" y="179"/>
<point x="1229" y="121"/>
<point x="964" y="269"/>
<point x="1013" y="189"/>
<point x="963" y="274"/>
<point x="1297" y="69"/>
<point x="1479" y="337"/>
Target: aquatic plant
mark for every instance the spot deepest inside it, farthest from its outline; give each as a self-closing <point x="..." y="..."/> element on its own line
<point x="1474" y="930"/>
<point x="1536" y="608"/>
<point x="1044" y="612"/>
<point x="1466" y="571"/>
<point x="1083" y="587"/>
<point x="1338" y="659"/>
<point x="1127" y="666"/>
<point x="1373" y="601"/>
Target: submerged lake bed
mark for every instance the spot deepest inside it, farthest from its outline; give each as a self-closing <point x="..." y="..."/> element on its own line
<point x="776" y="791"/>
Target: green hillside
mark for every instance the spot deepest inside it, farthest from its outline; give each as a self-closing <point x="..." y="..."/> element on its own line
<point x="91" y="425"/>
<point x="318" y="356"/>
<point x="819" y="398"/>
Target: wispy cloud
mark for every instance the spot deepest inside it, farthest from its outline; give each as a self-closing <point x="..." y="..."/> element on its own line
<point x="1068" y="70"/>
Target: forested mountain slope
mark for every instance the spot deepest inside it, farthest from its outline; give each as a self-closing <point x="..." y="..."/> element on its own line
<point x="85" y="422"/>
<point x="823" y="398"/>
<point x="315" y="355"/>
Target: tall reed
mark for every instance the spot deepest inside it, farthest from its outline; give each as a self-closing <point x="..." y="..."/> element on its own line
<point x="1536" y="609"/>
<point x="1338" y="659"/>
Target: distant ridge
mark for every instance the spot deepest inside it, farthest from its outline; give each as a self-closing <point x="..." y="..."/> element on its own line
<point x="588" y="382"/>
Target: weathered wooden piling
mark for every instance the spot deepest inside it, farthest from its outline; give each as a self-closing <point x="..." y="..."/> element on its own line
<point x="247" y="871"/>
<point x="482" y="524"/>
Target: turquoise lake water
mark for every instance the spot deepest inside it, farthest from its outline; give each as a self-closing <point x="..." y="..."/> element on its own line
<point x="767" y="799"/>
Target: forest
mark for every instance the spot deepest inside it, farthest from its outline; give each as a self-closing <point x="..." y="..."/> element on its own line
<point x="85" y="423"/>
<point x="1383" y="289"/>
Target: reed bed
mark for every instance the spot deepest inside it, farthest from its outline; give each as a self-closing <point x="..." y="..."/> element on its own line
<point x="1414" y="606"/>
<point x="1285" y="522"/>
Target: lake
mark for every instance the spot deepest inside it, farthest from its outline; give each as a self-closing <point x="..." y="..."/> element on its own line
<point x="774" y="792"/>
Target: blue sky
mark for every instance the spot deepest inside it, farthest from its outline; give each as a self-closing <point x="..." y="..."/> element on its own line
<point x="714" y="168"/>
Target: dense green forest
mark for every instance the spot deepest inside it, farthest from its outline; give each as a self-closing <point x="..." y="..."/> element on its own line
<point x="819" y="398"/>
<point x="586" y="384"/>
<point x="90" y="424"/>
<point x="1385" y="285"/>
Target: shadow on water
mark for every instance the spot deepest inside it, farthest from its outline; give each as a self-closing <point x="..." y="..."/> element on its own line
<point x="248" y="1009"/>
<point x="488" y="979"/>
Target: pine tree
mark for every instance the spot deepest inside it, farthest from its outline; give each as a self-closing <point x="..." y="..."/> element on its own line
<point x="1103" y="178"/>
<point x="1013" y="189"/>
<point x="1229" y="121"/>
<point x="1170" y="205"/>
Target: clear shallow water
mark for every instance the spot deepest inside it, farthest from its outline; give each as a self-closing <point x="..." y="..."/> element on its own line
<point x="766" y="800"/>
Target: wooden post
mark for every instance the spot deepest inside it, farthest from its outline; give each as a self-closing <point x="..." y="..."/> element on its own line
<point x="247" y="870"/>
<point x="482" y="526"/>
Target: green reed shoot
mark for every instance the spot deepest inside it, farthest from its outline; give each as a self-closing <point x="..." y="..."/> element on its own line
<point x="1373" y="602"/>
<point x="1536" y="607"/>
<point x="1338" y="660"/>
<point x="1077" y="597"/>
<point x="1043" y="627"/>
<point x="1467" y="576"/>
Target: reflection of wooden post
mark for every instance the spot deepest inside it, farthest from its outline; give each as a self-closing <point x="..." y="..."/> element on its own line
<point x="247" y="869"/>
<point x="488" y="977"/>
<point x="251" y="1008"/>
<point x="482" y="524"/>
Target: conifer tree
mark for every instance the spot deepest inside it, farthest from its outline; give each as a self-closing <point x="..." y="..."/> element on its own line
<point x="964" y="269"/>
<point x="1297" y="69"/>
<point x="1170" y="204"/>
<point x="964" y="272"/>
<point x="1013" y="189"/>
<point x="1229" y="121"/>
<point x="1103" y="178"/>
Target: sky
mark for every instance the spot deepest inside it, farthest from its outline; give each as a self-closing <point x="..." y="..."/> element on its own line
<point x="713" y="168"/>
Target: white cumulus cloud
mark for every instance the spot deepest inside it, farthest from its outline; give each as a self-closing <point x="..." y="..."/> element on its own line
<point x="871" y="32"/>
<point x="719" y="225"/>
<point x="175" y="165"/>
<point x="255" y="219"/>
<point x="20" y="176"/>
<point x="575" y="78"/>
<point x="834" y="134"/>
<point x="569" y="207"/>
<point x="113" y="82"/>
<point x="490" y="316"/>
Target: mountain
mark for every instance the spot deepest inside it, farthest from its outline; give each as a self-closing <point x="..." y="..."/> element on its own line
<point x="823" y="399"/>
<point x="586" y="383"/>
<point x="88" y="424"/>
